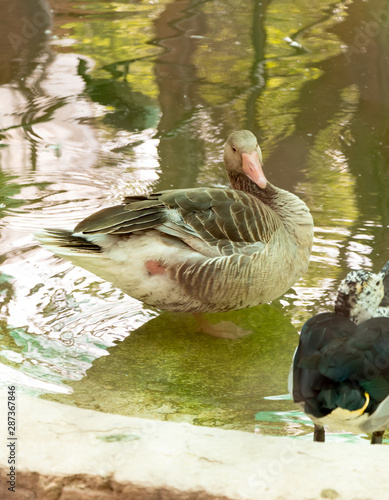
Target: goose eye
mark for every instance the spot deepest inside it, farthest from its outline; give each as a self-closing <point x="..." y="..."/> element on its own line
<point x="233" y="149"/>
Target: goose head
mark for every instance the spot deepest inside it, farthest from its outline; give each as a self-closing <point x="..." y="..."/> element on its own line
<point x="360" y="294"/>
<point x="243" y="158"/>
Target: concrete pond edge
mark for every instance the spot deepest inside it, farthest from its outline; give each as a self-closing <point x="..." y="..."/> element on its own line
<point x="61" y="452"/>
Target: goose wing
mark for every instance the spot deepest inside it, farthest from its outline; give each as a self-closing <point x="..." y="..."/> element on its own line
<point x="213" y="221"/>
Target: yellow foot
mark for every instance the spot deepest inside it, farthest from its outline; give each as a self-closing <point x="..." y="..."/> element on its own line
<point x="224" y="329"/>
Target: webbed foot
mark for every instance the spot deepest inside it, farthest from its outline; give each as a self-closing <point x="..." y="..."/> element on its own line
<point x="223" y="329"/>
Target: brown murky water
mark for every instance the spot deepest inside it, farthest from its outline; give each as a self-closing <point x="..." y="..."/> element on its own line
<point x="102" y="99"/>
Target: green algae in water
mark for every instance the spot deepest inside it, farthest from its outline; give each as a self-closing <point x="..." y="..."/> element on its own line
<point x="167" y="370"/>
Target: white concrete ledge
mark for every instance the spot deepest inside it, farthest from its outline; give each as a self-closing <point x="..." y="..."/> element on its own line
<point x="66" y="453"/>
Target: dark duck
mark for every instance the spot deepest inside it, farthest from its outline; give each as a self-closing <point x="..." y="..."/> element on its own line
<point x="340" y="371"/>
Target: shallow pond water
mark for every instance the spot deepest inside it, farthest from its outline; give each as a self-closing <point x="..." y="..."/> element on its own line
<point x="103" y="99"/>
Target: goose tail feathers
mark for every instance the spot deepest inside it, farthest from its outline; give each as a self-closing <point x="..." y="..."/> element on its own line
<point x="66" y="243"/>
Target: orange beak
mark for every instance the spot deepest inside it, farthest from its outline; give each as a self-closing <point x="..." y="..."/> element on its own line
<point x="253" y="169"/>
